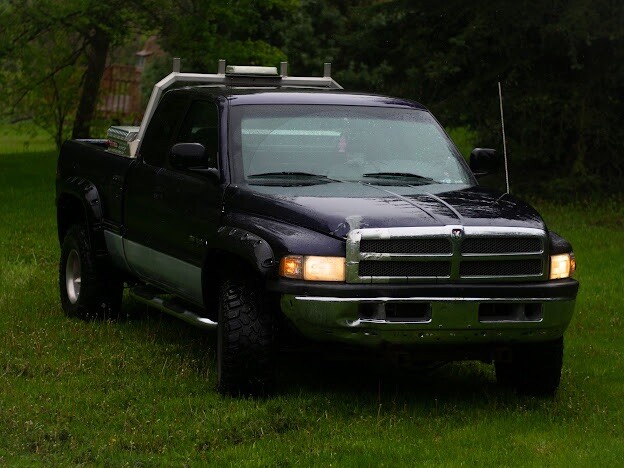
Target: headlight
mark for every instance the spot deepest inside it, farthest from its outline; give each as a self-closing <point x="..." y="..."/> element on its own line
<point x="312" y="268"/>
<point x="562" y="266"/>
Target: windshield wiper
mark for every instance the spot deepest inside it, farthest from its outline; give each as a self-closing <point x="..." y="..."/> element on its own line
<point x="293" y="175"/>
<point x="288" y="174"/>
<point x="398" y="175"/>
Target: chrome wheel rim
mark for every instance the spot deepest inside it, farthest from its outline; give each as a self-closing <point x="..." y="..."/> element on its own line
<point x="73" y="276"/>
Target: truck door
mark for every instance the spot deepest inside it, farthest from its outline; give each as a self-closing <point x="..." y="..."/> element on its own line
<point x="193" y="200"/>
<point x="172" y="213"/>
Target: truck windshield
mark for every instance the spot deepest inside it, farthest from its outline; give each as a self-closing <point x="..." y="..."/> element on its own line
<point x="373" y="145"/>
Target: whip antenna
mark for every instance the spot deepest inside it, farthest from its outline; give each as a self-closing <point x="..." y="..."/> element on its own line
<point x="500" y="99"/>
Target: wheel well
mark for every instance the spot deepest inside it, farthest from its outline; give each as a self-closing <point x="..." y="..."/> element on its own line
<point x="69" y="211"/>
<point x="218" y="266"/>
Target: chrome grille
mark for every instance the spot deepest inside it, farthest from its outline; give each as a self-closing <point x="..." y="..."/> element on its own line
<point x="455" y="253"/>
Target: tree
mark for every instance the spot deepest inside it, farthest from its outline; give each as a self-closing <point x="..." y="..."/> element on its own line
<point x="48" y="43"/>
<point x="240" y="31"/>
<point x="560" y="64"/>
<point x="84" y="31"/>
<point x="54" y="97"/>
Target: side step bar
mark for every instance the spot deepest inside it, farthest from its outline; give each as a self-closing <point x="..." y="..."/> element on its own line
<point x="151" y="297"/>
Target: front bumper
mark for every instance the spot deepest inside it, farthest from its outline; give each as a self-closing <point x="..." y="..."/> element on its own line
<point x="442" y="314"/>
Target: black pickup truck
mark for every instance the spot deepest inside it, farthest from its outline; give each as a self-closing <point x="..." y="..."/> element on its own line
<point x="267" y="205"/>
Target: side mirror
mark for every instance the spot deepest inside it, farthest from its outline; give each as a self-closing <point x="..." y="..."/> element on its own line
<point x="192" y="156"/>
<point x="188" y="155"/>
<point x="484" y="161"/>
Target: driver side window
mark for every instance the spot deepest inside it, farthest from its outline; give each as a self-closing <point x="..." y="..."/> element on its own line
<point x="201" y="125"/>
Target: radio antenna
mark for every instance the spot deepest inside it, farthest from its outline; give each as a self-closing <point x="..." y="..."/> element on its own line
<point x="500" y="99"/>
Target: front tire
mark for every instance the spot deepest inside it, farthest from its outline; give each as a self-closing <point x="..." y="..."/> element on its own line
<point x="535" y="368"/>
<point x="245" y="340"/>
<point x="88" y="290"/>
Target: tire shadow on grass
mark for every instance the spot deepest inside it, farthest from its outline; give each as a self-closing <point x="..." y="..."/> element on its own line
<point x="372" y="374"/>
<point x="318" y="368"/>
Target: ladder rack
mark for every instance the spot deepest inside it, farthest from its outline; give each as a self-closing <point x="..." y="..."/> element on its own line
<point x="234" y="76"/>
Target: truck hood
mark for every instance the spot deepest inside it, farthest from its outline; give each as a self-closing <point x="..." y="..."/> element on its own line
<point x="336" y="208"/>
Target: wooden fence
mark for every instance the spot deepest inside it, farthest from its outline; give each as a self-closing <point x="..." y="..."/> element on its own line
<point x="120" y="94"/>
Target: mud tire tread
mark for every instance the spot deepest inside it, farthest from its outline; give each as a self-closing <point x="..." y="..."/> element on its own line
<point x="245" y="341"/>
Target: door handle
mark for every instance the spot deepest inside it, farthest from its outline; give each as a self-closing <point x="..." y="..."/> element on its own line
<point x="158" y="193"/>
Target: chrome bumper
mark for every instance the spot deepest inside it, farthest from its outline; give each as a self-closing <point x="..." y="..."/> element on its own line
<point x="449" y="321"/>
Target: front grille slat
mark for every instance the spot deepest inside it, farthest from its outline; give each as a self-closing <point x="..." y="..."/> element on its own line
<point x="405" y="269"/>
<point x="411" y="246"/>
<point x="501" y="268"/>
<point x="501" y="245"/>
<point x="431" y="254"/>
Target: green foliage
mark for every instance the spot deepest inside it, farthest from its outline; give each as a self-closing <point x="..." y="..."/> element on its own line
<point x="241" y="31"/>
<point x="465" y="139"/>
<point x="314" y="34"/>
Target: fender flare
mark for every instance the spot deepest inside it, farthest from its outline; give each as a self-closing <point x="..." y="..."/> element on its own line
<point x="235" y="248"/>
<point x="248" y="246"/>
<point x="88" y="196"/>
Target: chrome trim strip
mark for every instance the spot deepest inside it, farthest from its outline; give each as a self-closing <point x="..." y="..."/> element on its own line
<point x="429" y="299"/>
<point x="157" y="267"/>
<point x="442" y="231"/>
<point x="504" y="256"/>
<point x="500" y="278"/>
<point x="420" y="322"/>
<point x="404" y="257"/>
<point x="393" y="322"/>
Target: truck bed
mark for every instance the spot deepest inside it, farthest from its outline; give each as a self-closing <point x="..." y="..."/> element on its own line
<point x="88" y="160"/>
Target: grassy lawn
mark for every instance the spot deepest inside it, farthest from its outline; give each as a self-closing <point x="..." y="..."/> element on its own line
<point x="141" y="391"/>
<point x="24" y="137"/>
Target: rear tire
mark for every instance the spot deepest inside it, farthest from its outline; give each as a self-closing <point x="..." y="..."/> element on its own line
<point x="535" y="368"/>
<point x="245" y="340"/>
<point x="88" y="290"/>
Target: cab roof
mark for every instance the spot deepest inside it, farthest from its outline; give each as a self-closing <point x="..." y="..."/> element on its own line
<point x="295" y="95"/>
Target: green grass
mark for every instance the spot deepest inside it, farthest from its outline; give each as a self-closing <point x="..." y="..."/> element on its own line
<point x="24" y="137"/>
<point x="141" y="391"/>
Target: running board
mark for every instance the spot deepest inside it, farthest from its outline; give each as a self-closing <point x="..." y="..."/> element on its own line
<point x="151" y="297"/>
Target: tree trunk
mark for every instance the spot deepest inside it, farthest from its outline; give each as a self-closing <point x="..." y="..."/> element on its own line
<point x="96" y="62"/>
